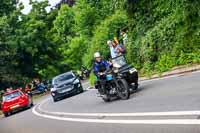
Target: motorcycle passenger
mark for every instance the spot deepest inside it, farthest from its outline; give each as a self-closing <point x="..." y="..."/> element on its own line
<point x="116" y="49"/>
<point x="100" y="65"/>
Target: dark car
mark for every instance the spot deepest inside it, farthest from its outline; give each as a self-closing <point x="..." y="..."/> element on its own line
<point x="64" y="85"/>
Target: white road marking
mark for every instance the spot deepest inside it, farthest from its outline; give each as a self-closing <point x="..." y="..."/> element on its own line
<point x="157" y="122"/>
<point x="175" y="113"/>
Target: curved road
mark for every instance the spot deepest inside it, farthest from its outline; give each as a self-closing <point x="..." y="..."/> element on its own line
<point x="170" y="105"/>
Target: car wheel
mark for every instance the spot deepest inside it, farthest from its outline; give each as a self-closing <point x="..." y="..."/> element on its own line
<point x="55" y="100"/>
<point x="30" y="104"/>
<point x="81" y="89"/>
<point x="45" y="90"/>
<point x="7" y="114"/>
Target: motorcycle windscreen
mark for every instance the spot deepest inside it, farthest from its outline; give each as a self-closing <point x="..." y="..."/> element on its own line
<point x="119" y="61"/>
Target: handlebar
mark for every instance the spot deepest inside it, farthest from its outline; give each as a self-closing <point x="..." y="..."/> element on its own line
<point x="108" y="71"/>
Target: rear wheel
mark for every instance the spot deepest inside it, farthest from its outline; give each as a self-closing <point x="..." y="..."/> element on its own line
<point x="124" y="92"/>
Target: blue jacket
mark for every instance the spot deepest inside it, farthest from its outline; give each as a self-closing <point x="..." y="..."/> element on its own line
<point x="98" y="65"/>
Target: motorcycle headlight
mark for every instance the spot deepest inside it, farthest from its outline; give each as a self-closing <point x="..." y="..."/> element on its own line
<point x="116" y="71"/>
<point x="76" y="81"/>
<point x="116" y="65"/>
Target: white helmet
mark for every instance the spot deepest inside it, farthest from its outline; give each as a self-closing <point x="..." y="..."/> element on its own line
<point x="97" y="55"/>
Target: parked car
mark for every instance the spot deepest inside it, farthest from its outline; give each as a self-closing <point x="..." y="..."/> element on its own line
<point x="15" y="100"/>
<point x="65" y="84"/>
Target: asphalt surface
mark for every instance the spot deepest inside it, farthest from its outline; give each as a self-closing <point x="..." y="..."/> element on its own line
<point x="175" y="95"/>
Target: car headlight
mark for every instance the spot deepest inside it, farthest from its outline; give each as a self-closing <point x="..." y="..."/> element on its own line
<point x="53" y="94"/>
<point x="53" y="89"/>
<point x="76" y="81"/>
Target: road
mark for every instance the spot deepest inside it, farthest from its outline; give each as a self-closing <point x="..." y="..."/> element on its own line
<point x="169" y="105"/>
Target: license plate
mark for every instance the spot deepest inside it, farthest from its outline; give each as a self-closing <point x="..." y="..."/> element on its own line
<point x="15" y="106"/>
<point x="63" y="91"/>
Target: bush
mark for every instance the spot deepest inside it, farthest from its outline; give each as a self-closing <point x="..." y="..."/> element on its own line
<point x="92" y="79"/>
<point x="165" y="63"/>
<point x="164" y="34"/>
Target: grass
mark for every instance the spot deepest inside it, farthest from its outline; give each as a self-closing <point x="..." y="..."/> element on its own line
<point x="39" y="95"/>
<point x="154" y="72"/>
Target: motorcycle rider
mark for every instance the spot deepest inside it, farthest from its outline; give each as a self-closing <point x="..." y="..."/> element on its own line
<point x="100" y="65"/>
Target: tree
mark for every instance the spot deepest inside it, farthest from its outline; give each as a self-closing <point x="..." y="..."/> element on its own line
<point x="36" y="52"/>
<point x="68" y="2"/>
<point x="7" y="7"/>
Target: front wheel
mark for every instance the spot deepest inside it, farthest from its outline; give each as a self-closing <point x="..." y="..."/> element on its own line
<point x="7" y="114"/>
<point x="30" y="102"/>
<point x="106" y="98"/>
<point x="123" y="90"/>
<point x="55" y="99"/>
<point x="80" y="90"/>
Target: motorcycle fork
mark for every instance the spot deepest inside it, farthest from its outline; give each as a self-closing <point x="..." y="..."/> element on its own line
<point x="116" y="83"/>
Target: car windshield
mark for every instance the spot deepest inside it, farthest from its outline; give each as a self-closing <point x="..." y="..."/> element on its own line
<point x="119" y="61"/>
<point x="64" y="77"/>
<point x="11" y="95"/>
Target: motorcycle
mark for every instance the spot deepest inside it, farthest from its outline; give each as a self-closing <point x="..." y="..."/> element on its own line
<point x="85" y="73"/>
<point x="129" y="73"/>
<point x="111" y="84"/>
